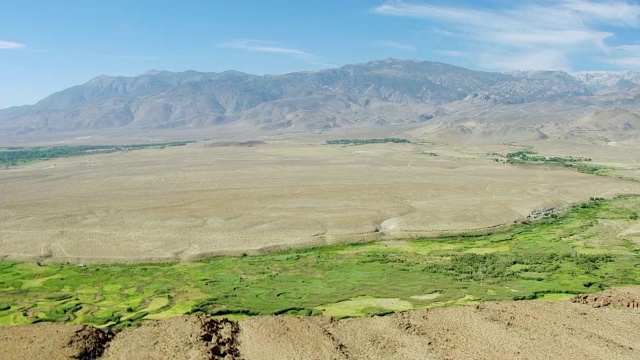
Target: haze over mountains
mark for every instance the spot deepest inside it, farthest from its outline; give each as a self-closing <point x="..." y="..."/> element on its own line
<point x="376" y="93"/>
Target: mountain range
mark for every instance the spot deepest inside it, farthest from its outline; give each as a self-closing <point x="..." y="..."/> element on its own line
<point x="381" y="92"/>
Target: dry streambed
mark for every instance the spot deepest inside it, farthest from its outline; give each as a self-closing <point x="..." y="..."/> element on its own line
<point x="594" y="326"/>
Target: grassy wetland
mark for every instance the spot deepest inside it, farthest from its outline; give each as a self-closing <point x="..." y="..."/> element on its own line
<point x="592" y="246"/>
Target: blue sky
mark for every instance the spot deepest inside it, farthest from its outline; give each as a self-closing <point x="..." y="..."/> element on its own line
<point x="46" y="46"/>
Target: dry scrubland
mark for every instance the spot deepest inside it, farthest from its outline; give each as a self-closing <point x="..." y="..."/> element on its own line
<point x="621" y="158"/>
<point x="212" y="198"/>
<point x="599" y="326"/>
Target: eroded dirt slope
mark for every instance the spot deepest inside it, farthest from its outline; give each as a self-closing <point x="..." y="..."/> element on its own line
<point x="51" y="341"/>
<point x="509" y="330"/>
<point x="185" y="337"/>
<point x="597" y="326"/>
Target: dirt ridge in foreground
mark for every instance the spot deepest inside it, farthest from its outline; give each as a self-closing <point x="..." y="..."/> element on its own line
<point x="594" y="326"/>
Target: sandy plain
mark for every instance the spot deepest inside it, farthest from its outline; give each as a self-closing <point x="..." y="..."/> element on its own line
<point x="216" y="198"/>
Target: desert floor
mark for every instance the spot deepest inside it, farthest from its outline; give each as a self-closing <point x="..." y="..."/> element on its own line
<point x="223" y="197"/>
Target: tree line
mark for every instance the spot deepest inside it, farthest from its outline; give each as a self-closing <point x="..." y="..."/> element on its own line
<point x="367" y="141"/>
<point x="13" y="156"/>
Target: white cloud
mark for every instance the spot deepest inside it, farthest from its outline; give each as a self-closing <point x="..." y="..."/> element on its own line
<point x="452" y="53"/>
<point x="548" y="32"/>
<point x="396" y="45"/>
<point x="540" y="60"/>
<point x="634" y="49"/>
<point x="632" y="63"/>
<point x="10" y="45"/>
<point x="619" y="12"/>
<point x="551" y="38"/>
<point x="625" y="56"/>
<point x="322" y="64"/>
<point x="443" y="32"/>
<point x="263" y="46"/>
<point x="130" y="57"/>
<point x="399" y="8"/>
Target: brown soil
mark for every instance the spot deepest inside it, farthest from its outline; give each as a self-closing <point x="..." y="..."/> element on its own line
<point x="50" y="341"/>
<point x="617" y="298"/>
<point x="185" y="337"/>
<point x="507" y="330"/>
<point x="512" y="330"/>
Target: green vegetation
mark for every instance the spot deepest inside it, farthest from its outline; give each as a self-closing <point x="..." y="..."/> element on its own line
<point x="13" y="156"/>
<point x="367" y="141"/>
<point x="577" y="163"/>
<point x="589" y="169"/>
<point x="570" y="254"/>
<point x="523" y="157"/>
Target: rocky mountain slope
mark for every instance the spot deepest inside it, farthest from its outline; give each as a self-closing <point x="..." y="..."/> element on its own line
<point x="607" y="81"/>
<point x="376" y="93"/>
<point x="608" y="126"/>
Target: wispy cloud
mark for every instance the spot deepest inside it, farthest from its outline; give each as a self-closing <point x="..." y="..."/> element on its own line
<point x="395" y="45"/>
<point x="443" y="32"/>
<point x="261" y="46"/>
<point x="618" y="12"/>
<point x="130" y="57"/>
<point x="544" y="59"/>
<point x="452" y="53"/>
<point x="264" y="47"/>
<point x="625" y="56"/>
<point x="322" y="64"/>
<point x="10" y="45"/>
<point x="528" y="34"/>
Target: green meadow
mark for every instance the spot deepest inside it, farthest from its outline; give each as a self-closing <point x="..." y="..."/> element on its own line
<point x="587" y="248"/>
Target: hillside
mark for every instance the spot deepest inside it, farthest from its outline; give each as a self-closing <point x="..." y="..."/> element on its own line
<point x="403" y="91"/>
<point x="596" y="326"/>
